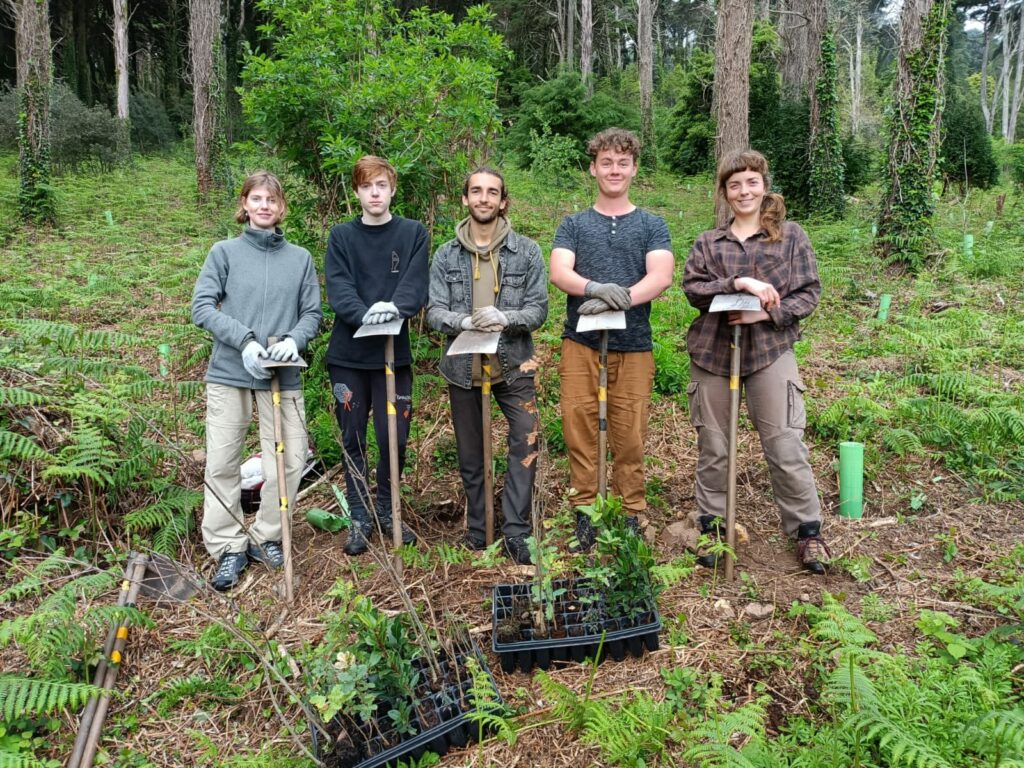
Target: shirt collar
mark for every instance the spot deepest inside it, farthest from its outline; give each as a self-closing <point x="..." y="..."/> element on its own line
<point x="725" y="233"/>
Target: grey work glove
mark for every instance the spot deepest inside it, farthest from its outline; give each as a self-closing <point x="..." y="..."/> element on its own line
<point x="466" y="324"/>
<point x="284" y="351"/>
<point x="615" y="296"/>
<point x="490" y="318"/>
<point x="594" y="306"/>
<point x="251" y="356"/>
<point x="381" y="312"/>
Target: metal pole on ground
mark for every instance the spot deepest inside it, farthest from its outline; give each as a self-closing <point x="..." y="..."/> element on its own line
<point x="485" y="413"/>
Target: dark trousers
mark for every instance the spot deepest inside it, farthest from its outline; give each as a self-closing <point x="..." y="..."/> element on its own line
<point x="518" y="402"/>
<point x="356" y="393"/>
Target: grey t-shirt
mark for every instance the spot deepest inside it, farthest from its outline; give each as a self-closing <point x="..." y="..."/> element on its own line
<point x="612" y="249"/>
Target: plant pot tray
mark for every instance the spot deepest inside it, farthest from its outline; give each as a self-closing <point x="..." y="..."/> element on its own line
<point x="443" y="722"/>
<point x="581" y="618"/>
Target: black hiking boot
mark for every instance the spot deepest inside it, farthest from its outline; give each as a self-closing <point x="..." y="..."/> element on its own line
<point x="358" y="533"/>
<point x="269" y="552"/>
<point x="633" y="525"/>
<point x="586" y="534"/>
<point x="812" y="549"/>
<point x="518" y="550"/>
<point x="408" y="537"/>
<point x="229" y="570"/>
<point x="713" y="527"/>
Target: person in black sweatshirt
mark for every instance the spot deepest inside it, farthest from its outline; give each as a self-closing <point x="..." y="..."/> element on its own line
<point x="376" y="271"/>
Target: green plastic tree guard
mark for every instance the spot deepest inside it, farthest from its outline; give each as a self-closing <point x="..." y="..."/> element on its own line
<point x="851" y="480"/>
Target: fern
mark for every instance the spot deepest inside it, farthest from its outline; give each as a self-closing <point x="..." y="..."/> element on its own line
<point x="89" y="456"/>
<point x="196" y="688"/>
<point x="17" y="396"/>
<point x="18" y="760"/>
<point x="833" y="624"/>
<point x="30" y="697"/>
<point x="167" y="540"/>
<point x="899" y="745"/>
<point x="174" y="501"/>
<point x="631" y="730"/>
<point x="715" y="735"/>
<point x="902" y="442"/>
<point x="32" y="583"/>
<point x="15" y="446"/>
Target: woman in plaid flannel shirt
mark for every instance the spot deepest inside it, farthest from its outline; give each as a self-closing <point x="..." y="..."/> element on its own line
<point x="760" y="253"/>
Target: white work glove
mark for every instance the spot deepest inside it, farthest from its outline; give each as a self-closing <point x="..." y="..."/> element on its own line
<point x="466" y="324"/>
<point x="381" y="312"/>
<point x="251" y="356"/>
<point x="284" y="351"/>
<point x="490" y="318"/>
<point x="615" y="296"/>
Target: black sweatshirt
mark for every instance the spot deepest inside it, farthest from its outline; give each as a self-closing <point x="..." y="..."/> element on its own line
<point x="366" y="264"/>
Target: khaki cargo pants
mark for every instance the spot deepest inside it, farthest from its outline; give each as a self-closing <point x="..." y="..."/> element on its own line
<point x="775" y="404"/>
<point x="228" y="414"/>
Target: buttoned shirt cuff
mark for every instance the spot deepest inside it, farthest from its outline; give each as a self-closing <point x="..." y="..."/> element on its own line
<point x="777" y="316"/>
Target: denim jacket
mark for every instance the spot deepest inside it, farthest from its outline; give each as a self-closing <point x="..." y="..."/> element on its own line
<point x="523" y="297"/>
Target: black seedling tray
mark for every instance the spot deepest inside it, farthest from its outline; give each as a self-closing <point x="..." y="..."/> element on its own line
<point x="449" y="706"/>
<point x="581" y="616"/>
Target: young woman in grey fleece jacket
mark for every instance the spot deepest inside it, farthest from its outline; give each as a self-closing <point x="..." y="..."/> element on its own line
<point x="253" y="287"/>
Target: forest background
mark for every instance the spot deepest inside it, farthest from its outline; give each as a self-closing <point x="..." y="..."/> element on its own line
<point x="891" y="129"/>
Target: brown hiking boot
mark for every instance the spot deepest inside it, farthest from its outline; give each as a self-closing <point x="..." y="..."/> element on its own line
<point x="812" y="550"/>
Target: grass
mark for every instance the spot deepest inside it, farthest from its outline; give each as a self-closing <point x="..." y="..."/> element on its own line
<point x="934" y="393"/>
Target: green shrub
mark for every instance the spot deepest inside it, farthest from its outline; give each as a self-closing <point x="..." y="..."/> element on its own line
<point x="967" y="157"/>
<point x="79" y="135"/>
<point x="342" y="80"/>
<point x="860" y="159"/>
<point x="690" y="147"/>
<point x="152" y="130"/>
<point x="554" y="157"/>
<point x="560" y="107"/>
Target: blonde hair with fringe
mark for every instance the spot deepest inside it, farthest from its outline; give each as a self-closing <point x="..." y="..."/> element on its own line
<point x="773" y="206"/>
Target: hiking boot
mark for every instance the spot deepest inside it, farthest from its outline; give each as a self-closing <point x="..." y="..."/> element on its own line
<point x="712" y="526"/>
<point x="633" y="525"/>
<point x="812" y="549"/>
<point x="358" y="533"/>
<point x="269" y="552"/>
<point x="473" y="543"/>
<point x="585" y="534"/>
<point x="518" y="550"/>
<point x="408" y="537"/>
<point x="229" y="570"/>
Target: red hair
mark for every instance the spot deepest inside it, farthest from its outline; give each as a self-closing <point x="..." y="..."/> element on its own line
<point x="369" y="167"/>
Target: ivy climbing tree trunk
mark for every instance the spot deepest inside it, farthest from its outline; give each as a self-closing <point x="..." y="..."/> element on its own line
<point x="124" y="149"/>
<point x="645" y="51"/>
<point x="827" y="170"/>
<point x="207" y="90"/>
<point x="32" y="42"/>
<point x="904" y="222"/>
<point x="731" y="92"/>
<point x="800" y="29"/>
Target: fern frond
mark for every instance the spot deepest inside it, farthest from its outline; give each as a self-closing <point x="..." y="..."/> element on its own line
<point x="902" y="442"/>
<point x="18" y="396"/>
<point x="18" y="760"/>
<point x="896" y="742"/>
<point x="30" y="697"/>
<point x="847" y="686"/>
<point x="168" y="538"/>
<point x="195" y="687"/>
<point x="671" y="573"/>
<point x="90" y="455"/>
<point x="32" y="582"/>
<point x="20" y="448"/>
<point x="175" y="500"/>
<point x="100" y="617"/>
<point x="562" y="698"/>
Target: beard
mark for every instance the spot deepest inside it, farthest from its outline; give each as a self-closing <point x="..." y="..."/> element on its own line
<point x="484" y="218"/>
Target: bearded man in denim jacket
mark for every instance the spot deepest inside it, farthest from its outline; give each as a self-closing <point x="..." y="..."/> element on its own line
<point x="489" y="278"/>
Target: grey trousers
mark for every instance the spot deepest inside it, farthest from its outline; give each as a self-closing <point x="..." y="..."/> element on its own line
<point x="517" y="401"/>
<point x="775" y="405"/>
<point x="228" y="413"/>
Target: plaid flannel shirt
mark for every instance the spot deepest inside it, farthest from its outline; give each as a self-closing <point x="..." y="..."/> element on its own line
<point x="715" y="261"/>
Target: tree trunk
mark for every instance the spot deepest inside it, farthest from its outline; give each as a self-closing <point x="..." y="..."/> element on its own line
<point x="904" y="225"/>
<point x="986" y="109"/>
<point x="587" y="45"/>
<point x="1018" y="80"/>
<point x="1004" y="70"/>
<point x="645" y="52"/>
<point x="570" y="33"/>
<point x="207" y="89"/>
<point x="32" y="44"/>
<point x="559" y="32"/>
<point x="82" y="52"/>
<point x="124" y="148"/>
<point x="68" y="67"/>
<point x="731" y="92"/>
<point x="800" y="31"/>
<point x="858" y="68"/>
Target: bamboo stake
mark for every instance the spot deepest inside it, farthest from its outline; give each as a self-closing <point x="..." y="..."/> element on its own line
<point x="485" y="412"/>
<point x="734" y="418"/>
<point x="396" y="501"/>
<point x="602" y="416"/>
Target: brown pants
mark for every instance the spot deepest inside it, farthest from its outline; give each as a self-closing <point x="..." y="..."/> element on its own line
<point x="630" y="378"/>
<point x="775" y="404"/>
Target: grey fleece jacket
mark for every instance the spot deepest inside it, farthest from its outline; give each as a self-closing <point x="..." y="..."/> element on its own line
<point x="255" y="286"/>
